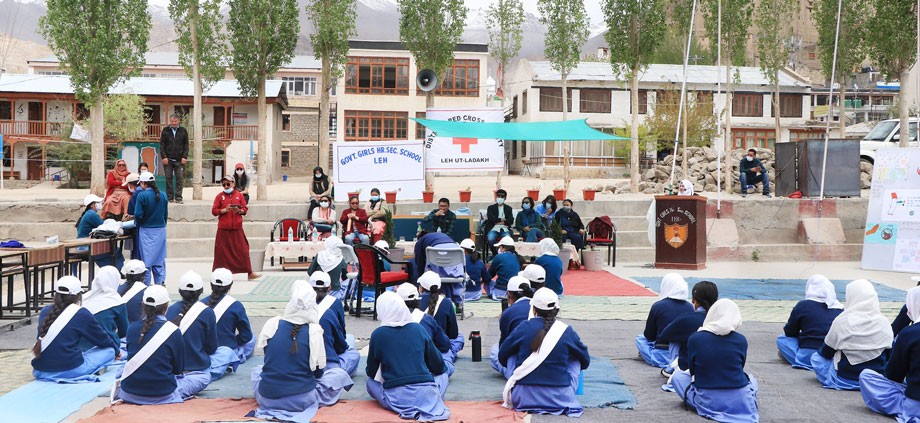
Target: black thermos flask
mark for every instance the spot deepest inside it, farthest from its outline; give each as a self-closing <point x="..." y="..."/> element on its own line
<point x="477" y="345"/>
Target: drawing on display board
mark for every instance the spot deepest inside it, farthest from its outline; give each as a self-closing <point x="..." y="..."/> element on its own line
<point x="892" y="234"/>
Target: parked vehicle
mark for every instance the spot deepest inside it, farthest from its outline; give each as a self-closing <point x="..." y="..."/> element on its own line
<point x="885" y="134"/>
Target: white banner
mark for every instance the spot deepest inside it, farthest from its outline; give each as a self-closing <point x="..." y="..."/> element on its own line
<point x="464" y="154"/>
<point x="385" y="165"/>
<point x="892" y="234"/>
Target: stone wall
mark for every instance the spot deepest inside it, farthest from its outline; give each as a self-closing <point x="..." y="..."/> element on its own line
<point x="701" y="169"/>
<point x="301" y="140"/>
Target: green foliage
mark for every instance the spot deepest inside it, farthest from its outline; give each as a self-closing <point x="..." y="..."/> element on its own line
<point x="205" y="17"/>
<point x="263" y="34"/>
<point x="566" y="32"/>
<point x="701" y="121"/>
<point x="73" y="157"/>
<point x="555" y="232"/>
<point x="505" y="21"/>
<point x="431" y="29"/>
<point x="388" y="230"/>
<point x="124" y="116"/>
<point x="333" y="24"/>
<point x="755" y="255"/>
<point x="635" y="29"/>
<point x="736" y="21"/>
<point x="673" y="43"/>
<point x="772" y="20"/>
<point x="851" y="43"/>
<point x="645" y="136"/>
<point x="891" y="36"/>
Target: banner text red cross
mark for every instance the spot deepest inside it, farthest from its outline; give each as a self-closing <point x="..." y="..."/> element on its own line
<point x="465" y="143"/>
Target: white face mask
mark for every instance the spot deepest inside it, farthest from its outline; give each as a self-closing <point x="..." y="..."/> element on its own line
<point x="318" y="175"/>
<point x="239" y="171"/>
<point x="749" y="158"/>
<point x="324" y="204"/>
<point x="97" y="207"/>
<point x="228" y="191"/>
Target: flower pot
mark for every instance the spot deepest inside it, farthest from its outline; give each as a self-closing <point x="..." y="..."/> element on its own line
<point x="391" y="197"/>
<point x="353" y="194"/>
<point x="565" y="255"/>
<point x="534" y="194"/>
<point x="465" y="196"/>
<point x="588" y="194"/>
<point x="428" y="196"/>
<point x="559" y="194"/>
<point x="592" y="259"/>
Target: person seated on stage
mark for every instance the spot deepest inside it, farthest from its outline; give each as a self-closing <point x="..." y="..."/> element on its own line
<point x="552" y="265"/>
<point x="528" y="222"/>
<point x="536" y="276"/>
<point x="476" y="271"/>
<point x="376" y="209"/>
<point x="135" y="282"/>
<point x="332" y="262"/>
<point x="234" y="335"/>
<point x="405" y="371"/>
<point x="320" y="186"/>
<point x="672" y="302"/>
<point x="897" y="392"/>
<point x="432" y="302"/>
<point x="547" y="209"/>
<point x="106" y="305"/>
<point x="354" y="223"/>
<point x="548" y="359"/>
<point x="903" y="320"/>
<point x="859" y="339"/>
<point x="715" y="384"/>
<point x="425" y="240"/>
<point x="287" y="387"/>
<point x="323" y="218"/>
<point x="505" y="265"/>
<point x="519" y="310"/>
<point x="809" y="322"/>
<point x="68" y="323"/>
<point x="341" y="356"/>
<point x="156" y="357"/>
<point x="752" y="172"/>
<point x="440" y="219"/>
<point x="198" y="325"/>
<point x="410" y="296"/>
<point x="499" y="219"/>
<point x="677" y="334"/>
<point x="116" y="194"/>
<point x="572" y="227"/>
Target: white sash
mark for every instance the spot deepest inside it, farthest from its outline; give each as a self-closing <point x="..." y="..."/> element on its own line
<point x="418" y="315"/>
<point x="222" y="306"/>
<point x="143" y="355"/>
<point x="190" y="316"/>
<point x="324" y="305"/>
<point x="534" y="360"/>
<point x="437" y="307"/>
<point x="137" y="287"/>
<point x="58" y="325"/>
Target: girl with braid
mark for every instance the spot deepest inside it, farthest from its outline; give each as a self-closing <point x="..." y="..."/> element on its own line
<point x="234" y="334"/>
<point x="432" y="302"/>
<point x="197" y="323"/>
<point x="549" y="356"/>
<point x="150" y="215"/>
<point x="409" y="294"/>
<point x="61" y="327"/>
<point x="518" y="311"/>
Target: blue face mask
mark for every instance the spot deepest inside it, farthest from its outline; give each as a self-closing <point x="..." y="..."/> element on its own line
<point x="228" y="191"/>
<point x="525" y="206"/>
<point x="375" y="198"/>
<point x="566" y="209"/>
<point x="500" y="200"/>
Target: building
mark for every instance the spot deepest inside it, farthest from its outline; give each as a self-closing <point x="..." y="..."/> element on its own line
<point x="595" y="93"/>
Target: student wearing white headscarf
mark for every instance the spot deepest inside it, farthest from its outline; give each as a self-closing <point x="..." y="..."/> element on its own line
<point x="685" y="187"/>
<point x="716" y="384"/>
<point x="897" y="392"/>
<point x="341" y="356"/>
<point x="295" y="355"/>
<point x="106" y="305"/>
<point x="551" y="263"/>
<point x="331" y="261"/>
<point x="406" y="372"/>
<point x="903" y="320"/>
<point x="672" y="302"/>
<point x="858" y="340"/>
<point x="809" y="322"/>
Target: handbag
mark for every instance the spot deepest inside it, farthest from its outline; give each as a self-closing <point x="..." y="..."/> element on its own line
<point x="322" y="227"/>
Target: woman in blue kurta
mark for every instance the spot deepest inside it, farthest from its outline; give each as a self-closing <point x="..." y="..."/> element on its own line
<point x="235" y="342"/>
<point x="809" y="322"/>
<point x="897" y="392"/>
<point x="528" y="222"/>
<point x="504" y="265"/>
<point x="716" y="384"/>
<point x="432" y="302"/>
<point x="552" y="265"/>
<point x="476" y="271"/>
<point x="199" y="333"/>
<point x="341" y="356"/>
<point x="89" y="220"/>
<point x="61" y="327"/>
<point x="409" y="294"/>
<point x="677" y="334"/>
<point x="672" y="303"/>
<point x="549" y="357"/>
<point x="150" y="215"/>
<point x="859" y="339"/>
<point x="518" y="311"/>
<point x="295" y="356"/>
<point x="405" y="371"/>
<point x="106" y="305"/>
<point x="132" y="289"/>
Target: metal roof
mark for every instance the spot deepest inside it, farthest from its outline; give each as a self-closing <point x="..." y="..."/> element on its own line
<point x="696" y="74"/>
<point x="60" y="84"/>
<point x="172" y="59"/>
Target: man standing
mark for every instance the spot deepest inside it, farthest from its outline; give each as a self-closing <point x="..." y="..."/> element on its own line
<point x="174" y="152"/>
<point x="753" y="172"/>
<point x="231" y="248"/>
<point x="499" y="218"/>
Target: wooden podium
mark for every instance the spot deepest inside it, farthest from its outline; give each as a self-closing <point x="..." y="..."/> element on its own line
<point x="680" y="232"/>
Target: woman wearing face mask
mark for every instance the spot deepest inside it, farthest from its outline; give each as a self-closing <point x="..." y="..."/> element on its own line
<point x="572" y="227"/>
<point x="323" y="218"/>
<point x="320" y="185"/>
<point x="89" y="220"/>
<point x="547" y="209"/>
<point x="529" y="222"/>
<point x="231" y="248"/>
<point x="241" y="180"/>
<point x="376" y="209"/>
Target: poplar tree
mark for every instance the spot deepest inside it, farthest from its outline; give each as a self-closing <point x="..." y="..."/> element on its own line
<point x="850" y="46"/>
<point x="431" y="30"/>
<point x="890" y="37"/>
<point x="772" y="19"/>
<point x="505" y="20"/>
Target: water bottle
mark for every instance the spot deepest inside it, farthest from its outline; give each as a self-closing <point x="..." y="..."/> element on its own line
<point x="477" y="345"/>
<point x="315" y="235"/>
<point x="580" y="390"/>
<point x="290" y="234"/>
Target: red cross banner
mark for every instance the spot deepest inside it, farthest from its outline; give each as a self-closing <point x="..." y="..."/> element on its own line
<point x="447" y="154"/>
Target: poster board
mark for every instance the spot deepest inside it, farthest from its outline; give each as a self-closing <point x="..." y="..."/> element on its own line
<point x="892" y="234"/>
<point x="458" y="155"/>
<point x="385" y="165"/>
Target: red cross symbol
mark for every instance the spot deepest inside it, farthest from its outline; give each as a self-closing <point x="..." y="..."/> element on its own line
<point x="465" y="143"/>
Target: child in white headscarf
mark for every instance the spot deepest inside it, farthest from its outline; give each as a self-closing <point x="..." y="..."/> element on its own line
<point x="809" y="322"/>
<point x="552" y="265"/>
<point x="685" y="187"/>
<point x="106" y="305"/>
<point x="672" y="302"/>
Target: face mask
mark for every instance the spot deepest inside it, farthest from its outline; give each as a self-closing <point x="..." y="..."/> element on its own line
<point x="375" y="198"/>
<point x="500" y="200"/>
<point x="566" y="208"/>
<point x="749" y="158"/>
<point x="97" y="207"/>
<point x="324" y="204"/>
<point x="228" y="191"/>
<point x="239" y="171"/>
<point x="525" y="206"/>
<point x="317" y="175"/>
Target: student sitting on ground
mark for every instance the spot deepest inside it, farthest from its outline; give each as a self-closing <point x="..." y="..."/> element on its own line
<point x="677" y="334"/>
<point x="341" y="356"/>
<point x="552" y="265"/>
<point x="410" y="296"/>
<point x="716" y="385"/>
<point x="198" y="326"/>
<point x="405" y="371"/>
<point x="442" y="311"/>
<point x="505" y="265"/>
<point x="809" y="322"/>
<point x="902" y="320"/>
<point x="672" y="303"/>
<point x="332" y="262"/>
<point x="68" y="323"/>
<point x="859" y="339"/>
<point x="286" y="387"/>
<point x="548" y="357"/>
<point x="476" y="271"/>
<point x="106" y="305"/>
<point x="518" y="311"/>
<point x="234" y="335"/>
<point x="897" y="393"/>
<point x="133" y="288"/>
<point x="536" y="276"/>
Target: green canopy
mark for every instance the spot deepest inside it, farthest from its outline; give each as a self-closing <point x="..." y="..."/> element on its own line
<point x="569" y="130"/>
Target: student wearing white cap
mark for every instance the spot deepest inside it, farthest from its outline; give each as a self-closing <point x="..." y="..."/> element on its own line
<point x="410" y="296"/>
<point x="67" y="323"/>
<point x="341" y="356"/>
<point x="132" y="289"/>
<point x="519" y="310"/>
<point x="476" y="272"/>
<point x="548" y="357"/>
<point x="234" y="334"/>
<point x="156" y="356"/>
<point x="150" y="215"/>
<point x="434" y="304"/>
<point x="198" y="325"/>
<point x="504" y="265"/>
<point x="535" y="274"/>
<point x="672" y="302"/>
<point x="89" y="220"/>
<point x="106" y="305"/>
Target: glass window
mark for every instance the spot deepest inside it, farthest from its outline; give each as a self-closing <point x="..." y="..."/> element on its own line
<point x="376" y="125"/>
<point x="551" y="99"/>
<point x="377" y="75"/>
<point x="285" y="158"/>
<point x="286" y="123"/>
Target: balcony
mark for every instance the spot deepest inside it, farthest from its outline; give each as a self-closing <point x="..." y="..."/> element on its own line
<point x="29" y="130"/>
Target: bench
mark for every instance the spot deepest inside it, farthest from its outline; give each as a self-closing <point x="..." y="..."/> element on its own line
<point x="11" y="174"/>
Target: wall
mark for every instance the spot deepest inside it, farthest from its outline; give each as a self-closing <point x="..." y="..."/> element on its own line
<point x="301" y="140"/>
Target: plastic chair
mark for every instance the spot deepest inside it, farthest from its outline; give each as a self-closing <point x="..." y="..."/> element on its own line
<point x="601" y="231"/>
<point x="299" y="227"/>
<point x="370" y="272"/>
<point x="445" y="256"/>
<point x="351" y="275"/>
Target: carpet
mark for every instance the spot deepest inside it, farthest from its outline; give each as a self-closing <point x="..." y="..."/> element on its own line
<point x="30" y="402"/>
<point x="773" y="289"/>
<point x="601" y="283"/>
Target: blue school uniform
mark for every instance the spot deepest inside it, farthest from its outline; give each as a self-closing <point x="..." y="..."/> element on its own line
<point x="679" y="331"/>
<point x="235" y="342"/>
<point x="662" y="313"/>
<point x="64" y="361"/>
<point x="413" y="372"/>
<point x="133" y="304"/>
<point x="901" y="321"/>
<point x="285" y="386"/>
<point x="805" y="331"/>
<point x="553" y="267"/>
<point x="89" y="221"/>
<point x="440" y="340"/>
<point x="503" y="267"/>
<point x="150" y="217"/>
<point x="478" y="275"/>
<point x="154" y="382"/>
<point x="845" y="377"/>
<point x="200" y="342"/>
<point x="446" y="318"/>
<point x="135" y="251"/>
<point x="507" y="322"/>
<point x="550" y="388"/>
<point x="114" y="321"/>
<point x="341" y="357"/>
<point x="897" y="393"/>
<point x="716" y="385"/>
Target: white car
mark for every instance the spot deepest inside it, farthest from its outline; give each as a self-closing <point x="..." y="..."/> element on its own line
<point x="885" y="134"/>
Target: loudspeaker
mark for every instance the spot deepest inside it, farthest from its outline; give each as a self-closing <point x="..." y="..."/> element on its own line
<point x="426" y="80"/>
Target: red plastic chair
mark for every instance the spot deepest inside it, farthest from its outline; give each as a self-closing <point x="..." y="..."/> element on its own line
<point x="603" y="232"/>
<point x="371" y="273"/>
<point x="298" y="226"/>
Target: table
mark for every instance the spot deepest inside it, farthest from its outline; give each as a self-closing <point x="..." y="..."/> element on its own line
<point x="41" y="259"/>
<point x="532" y="249"/>
<point x="12" y="263"/>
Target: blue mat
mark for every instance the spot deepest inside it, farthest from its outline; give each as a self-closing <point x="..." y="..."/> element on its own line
<point x="40" y="402"/>
<point x="236" y="385"/>
<point x="773" y="289"/>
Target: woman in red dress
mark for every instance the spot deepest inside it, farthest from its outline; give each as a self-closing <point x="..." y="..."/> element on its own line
<point x="117" y="195"/>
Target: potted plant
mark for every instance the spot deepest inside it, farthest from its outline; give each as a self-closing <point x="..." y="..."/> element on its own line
<point x="465" y="195"/>
<point x="555" y="232"/>
<point x="559" y="193"/>
<point x="588" y="193"/>
<point x="428" y="195"/>
<point x="391" y="197"/>
<point x="354" y="193"/>
<point x="395" y="254"/>
<point x="534" y="193"/>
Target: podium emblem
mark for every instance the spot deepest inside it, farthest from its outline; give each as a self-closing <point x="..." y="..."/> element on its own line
<point x="676" y="235"/>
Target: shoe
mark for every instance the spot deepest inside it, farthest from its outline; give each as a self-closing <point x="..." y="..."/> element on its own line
<point x="254" y="276"/>
<point x="750" y="187"/>
<point x="667" y="387"/>
<point x="178" y="201"/>
<point x="666" y="373"/>
<point x="743" y="195"/>
<point x="767" y="194"/>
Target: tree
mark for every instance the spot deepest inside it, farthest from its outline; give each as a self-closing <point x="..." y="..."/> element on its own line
<point x="263" y="34"/>
<point x="100" y="43"/>
<point x="505" y="20"/>
<point x="431" y="30"/>
<point x="698" y="118"/>
<point x="635" y="29"/>
<point x="850" y="46"/>
<point x="333" y="24"/>
<point x="735" y="22"/>
<point x="772" y="21"/>
<point x="890" y="37"/>
<point x="566" y="24"/>
<point x="124" y="116"/>
<point x="202" y="48"/>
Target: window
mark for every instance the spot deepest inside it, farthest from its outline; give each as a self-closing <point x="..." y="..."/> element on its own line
<point x="704" y="100"/>
<point x="285" y="158"/>
<point x="524" y="103"/>
<point x="6" y="110"/>
<point x="52" y="73"/>
<point x="81" y="112"/>
<point x="148" y="75"/>
<point x="811" y="55"/>
<point x="643" y="102"/>
<point x="790" y="105"/>
<point x="366" y="125"/>
<point x="333" y="122"/>
<point x="514" y="107"/>
<point x="460" y="80"/>
<point x="419" y="128"/>
<point x="747" y="105"/>
<point x="753" y="138"/>
<point x="7" y="155"/>
<point x="594" y="101"/>
<point x="300" y="85"/>
<point x="806" y="134"/>
<point x="377" y="75"/>
<point x="551" y="99"/>
<point x="286" y="123"/>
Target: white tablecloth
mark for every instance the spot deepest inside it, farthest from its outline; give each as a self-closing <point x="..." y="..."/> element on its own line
<point x="310" y="248"/>
<point x="532" y="249"/>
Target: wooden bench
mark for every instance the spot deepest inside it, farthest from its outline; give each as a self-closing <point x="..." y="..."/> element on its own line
<point x="14" y="174"/>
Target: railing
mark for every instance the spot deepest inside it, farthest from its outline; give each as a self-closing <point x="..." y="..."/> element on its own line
<point x="35" y="128"/>
<point x="151" y="131"/>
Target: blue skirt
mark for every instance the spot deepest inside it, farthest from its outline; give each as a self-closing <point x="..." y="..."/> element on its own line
<point x="885" y="396"/>
<point x="497" y="366"/>
<point x="329" y="387"/>
<point x="191" y="383"/>
<point x="298" y="408"/>
<point x="171" y="398"/>
<point x="348" y="361"/>
<point x="652" y="355"/>
<point x="827" y="375"/>
<point x="799" y="358"/>
<point x="221" y="360"/>
<point x="556" y="400"/>
<point x="94" y="359"/>
<point x="722" y="405"/>
<point x="418" y="401"/>
<point x="152" y="244"/>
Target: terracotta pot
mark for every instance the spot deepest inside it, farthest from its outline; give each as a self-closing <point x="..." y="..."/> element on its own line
<point x="428" y="196"/>
<point x="588" y="194"/>
<point x="391" y="197"/>
<point x="534" y="194"/>
<point x="559" y="194"/>
<point x="353" y="194"/>
<point x="465" y="196"/>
